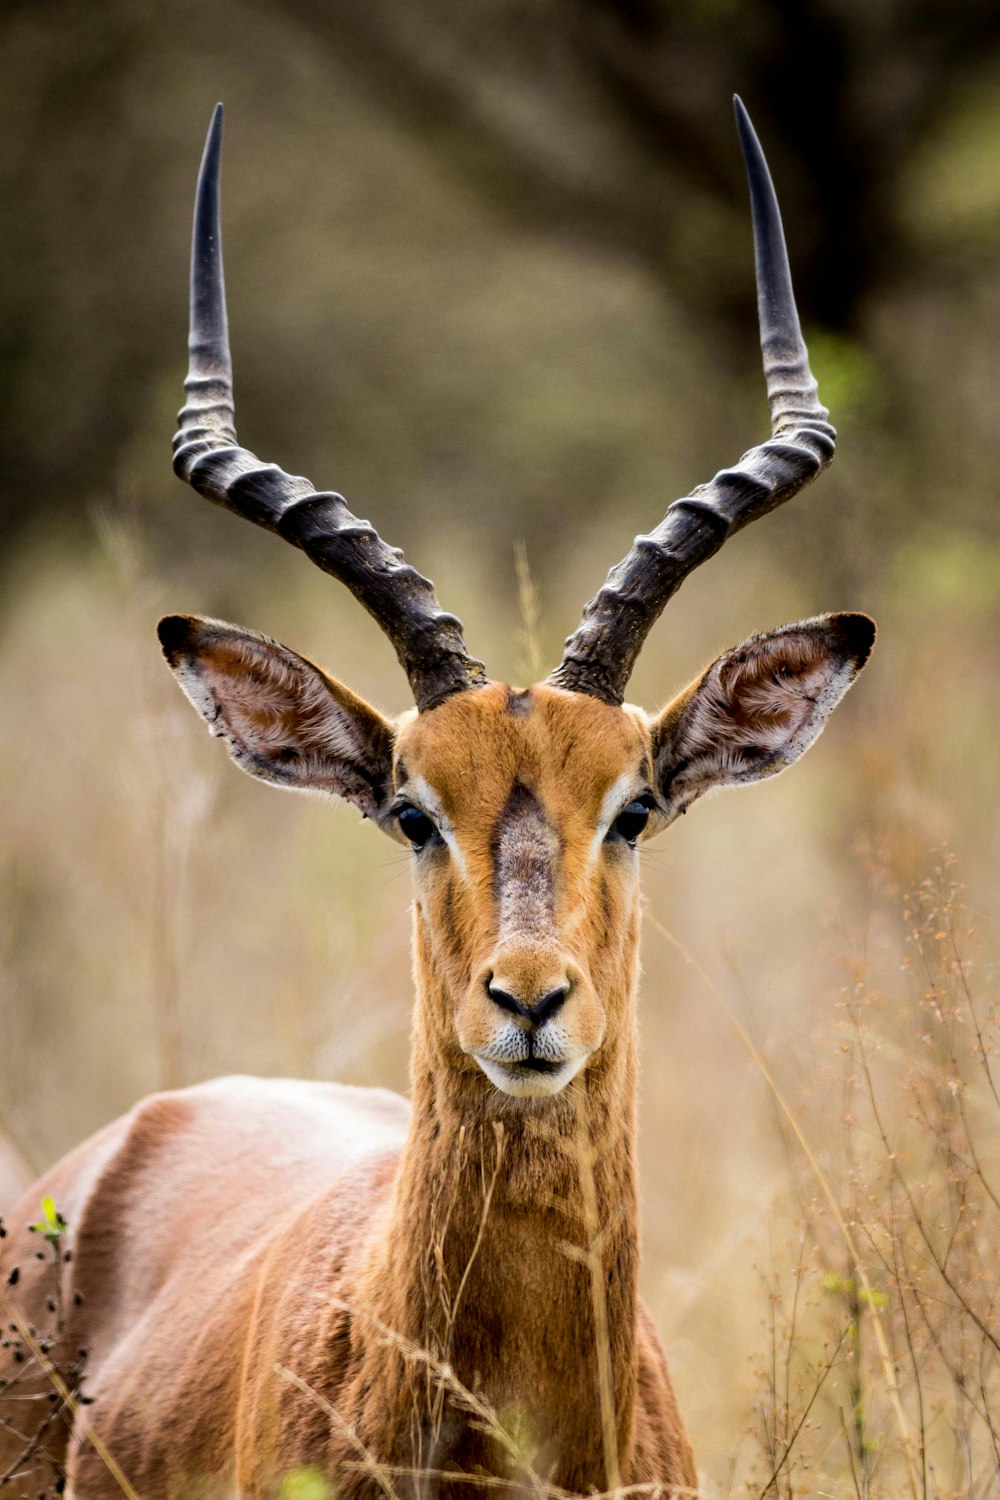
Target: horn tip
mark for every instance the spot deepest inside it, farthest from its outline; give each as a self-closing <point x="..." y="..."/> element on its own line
<point x="744" y="128"/>
<point x="213" y="139"/>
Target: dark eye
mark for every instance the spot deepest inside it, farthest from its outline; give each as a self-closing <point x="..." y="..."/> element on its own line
<point x="631" y="821"/>
<point x="416" y="825"/>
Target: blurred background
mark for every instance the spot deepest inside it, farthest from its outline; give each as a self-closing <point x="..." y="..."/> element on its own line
<point x="490" y="274"/>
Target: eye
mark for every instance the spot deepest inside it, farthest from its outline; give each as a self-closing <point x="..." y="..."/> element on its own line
<point x="416" y="825"/>
<point x="631" y="821"/>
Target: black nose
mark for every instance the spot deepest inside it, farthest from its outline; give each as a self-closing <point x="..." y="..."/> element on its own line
<point x="536" y="1015"/>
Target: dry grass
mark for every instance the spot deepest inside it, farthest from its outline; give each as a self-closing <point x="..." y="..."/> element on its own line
<point x="880" y="1375"/>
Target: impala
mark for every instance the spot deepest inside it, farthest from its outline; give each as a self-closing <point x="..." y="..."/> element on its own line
<point x="281" y="1277"/>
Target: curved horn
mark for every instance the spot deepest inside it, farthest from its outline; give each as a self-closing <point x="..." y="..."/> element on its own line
<point x="600" y="654"/>
<point x="427" y="641"/>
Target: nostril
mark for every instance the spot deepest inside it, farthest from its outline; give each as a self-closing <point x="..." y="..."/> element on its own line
<point x="549" y="1005"/>
<point x="507" y="1001"/>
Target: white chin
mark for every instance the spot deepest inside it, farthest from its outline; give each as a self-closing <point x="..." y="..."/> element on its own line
<point x="523" y="1083"/>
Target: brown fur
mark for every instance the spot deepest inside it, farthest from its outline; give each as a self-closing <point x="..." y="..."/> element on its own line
<point x="483" y="1249"/>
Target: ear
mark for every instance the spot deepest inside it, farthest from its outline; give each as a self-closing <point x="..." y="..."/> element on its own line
<point x="285" y="720"/>
<point x="758" y="708"/>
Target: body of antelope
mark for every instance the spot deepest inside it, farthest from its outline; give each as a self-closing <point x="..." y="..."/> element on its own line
<point x="272" y="1278"/>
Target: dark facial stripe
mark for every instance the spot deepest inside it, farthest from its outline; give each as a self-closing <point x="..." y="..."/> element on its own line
<point x="524" y="873"/>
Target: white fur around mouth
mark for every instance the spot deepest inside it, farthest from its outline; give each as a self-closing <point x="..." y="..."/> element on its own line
<point x="526" y="1083"/>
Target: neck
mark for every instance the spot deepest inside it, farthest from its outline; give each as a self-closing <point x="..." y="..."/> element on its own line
<point x="508" y="1273"/>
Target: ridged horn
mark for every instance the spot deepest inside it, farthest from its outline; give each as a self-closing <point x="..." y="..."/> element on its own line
<point x="600" y="654"/>
<point x="427" y="641"/>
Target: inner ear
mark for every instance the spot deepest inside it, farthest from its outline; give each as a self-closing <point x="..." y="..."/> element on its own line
<point x="758" y="707"/>
<point x="284" y="719"/>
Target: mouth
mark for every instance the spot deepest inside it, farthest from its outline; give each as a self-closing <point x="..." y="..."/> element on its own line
<point x="539" y="1065"/>
<point x="530" y="1077"/>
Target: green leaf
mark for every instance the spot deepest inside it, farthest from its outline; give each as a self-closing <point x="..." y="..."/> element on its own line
<point x="52" y="1224"/>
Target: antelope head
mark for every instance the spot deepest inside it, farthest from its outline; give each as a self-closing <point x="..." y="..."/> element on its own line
<point x="523" y="809"/>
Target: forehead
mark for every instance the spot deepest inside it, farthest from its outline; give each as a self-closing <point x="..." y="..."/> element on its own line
<point x="564" y="747"/>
